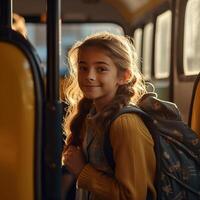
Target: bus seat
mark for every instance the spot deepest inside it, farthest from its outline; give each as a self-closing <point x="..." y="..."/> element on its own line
<point x="195" y="107"/>
<point x="20" y="118"/>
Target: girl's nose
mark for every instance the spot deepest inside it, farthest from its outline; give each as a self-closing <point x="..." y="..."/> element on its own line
<point x="91" y="75"/>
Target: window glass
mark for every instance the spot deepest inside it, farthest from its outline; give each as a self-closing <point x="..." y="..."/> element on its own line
<point x="191" y="50"/>
<point x="36" y="33"/>
<point x="138" y="43"/>
<point x="163" y="44"/>
<point x="147" y="50"/>
<point x="70" y="34"/>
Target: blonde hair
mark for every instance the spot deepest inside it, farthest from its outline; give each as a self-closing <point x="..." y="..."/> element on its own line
<point x="122" y="52"/>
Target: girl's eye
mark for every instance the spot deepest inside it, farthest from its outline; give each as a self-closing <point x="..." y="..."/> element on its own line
<point x="82" y="68"/>
<point x="102" y="69"/>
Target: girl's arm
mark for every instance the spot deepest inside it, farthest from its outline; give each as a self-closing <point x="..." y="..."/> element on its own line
<point x="134" y="159"/>
<point x="73" y="159"/>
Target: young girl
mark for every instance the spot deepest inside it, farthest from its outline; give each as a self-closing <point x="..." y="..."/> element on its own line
<point x="103" y="79"/>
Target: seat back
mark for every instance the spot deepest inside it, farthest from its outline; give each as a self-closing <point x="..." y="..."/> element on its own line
<point x="194" y="118"/>
<point x="20" y="118"/>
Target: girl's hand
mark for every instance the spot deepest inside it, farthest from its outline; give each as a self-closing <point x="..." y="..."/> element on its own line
<point x="74" y="160"/>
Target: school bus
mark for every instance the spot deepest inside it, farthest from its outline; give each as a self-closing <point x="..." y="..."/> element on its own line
<point x="33" y="65"/>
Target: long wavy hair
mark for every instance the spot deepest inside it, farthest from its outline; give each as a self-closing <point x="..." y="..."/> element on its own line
<point x="122" y="52"/>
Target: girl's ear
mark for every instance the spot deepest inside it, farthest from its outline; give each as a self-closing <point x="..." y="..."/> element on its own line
<point x="124" y="77"/>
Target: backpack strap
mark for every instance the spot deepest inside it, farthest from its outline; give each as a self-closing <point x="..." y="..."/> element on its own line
<point x="108" y="151"/>
<point x="107" y="143"/>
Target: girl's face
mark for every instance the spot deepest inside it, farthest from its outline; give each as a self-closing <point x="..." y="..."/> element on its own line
<point x="98" y="76"/>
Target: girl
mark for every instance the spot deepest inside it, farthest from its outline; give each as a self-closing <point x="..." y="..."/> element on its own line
<point x="103" y="79"/>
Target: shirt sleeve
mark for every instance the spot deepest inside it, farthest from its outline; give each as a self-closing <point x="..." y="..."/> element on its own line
<point x="134" y="158"/>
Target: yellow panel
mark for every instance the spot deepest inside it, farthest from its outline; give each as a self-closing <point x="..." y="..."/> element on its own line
<point x="195" y="123"/>
<point x="16" y="125"/>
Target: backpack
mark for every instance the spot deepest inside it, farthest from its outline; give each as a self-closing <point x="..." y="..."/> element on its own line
<point x="177" y="148"/>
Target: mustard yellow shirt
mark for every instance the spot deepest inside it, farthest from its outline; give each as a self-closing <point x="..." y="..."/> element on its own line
<point x="135" y="164"/>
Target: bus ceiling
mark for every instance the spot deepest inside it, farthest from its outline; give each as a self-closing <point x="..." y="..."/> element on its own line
<point x="121" y="11"/>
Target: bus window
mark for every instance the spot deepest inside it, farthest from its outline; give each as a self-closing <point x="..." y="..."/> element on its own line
<point x="191" y="55"/>
<point x="147" y="50"/>
<point x="138" y="43"/>
<point x="70" y="34"/>
<point x="163" y="44"/>
<point x="36" y="33"/>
